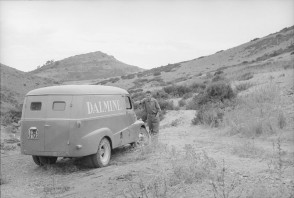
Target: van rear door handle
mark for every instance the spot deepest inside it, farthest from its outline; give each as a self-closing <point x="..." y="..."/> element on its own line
<point x="47" y="125"/>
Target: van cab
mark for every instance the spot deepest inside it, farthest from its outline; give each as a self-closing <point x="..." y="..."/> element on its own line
<point x="78" y="121"/>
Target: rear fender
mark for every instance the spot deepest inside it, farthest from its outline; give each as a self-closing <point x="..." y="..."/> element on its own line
<point x="91" y="141"/>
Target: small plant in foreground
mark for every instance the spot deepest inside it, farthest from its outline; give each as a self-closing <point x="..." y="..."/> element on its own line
<point x="222" y="188"/>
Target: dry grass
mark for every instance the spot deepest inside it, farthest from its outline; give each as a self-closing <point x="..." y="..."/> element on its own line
<point x="178" y="170"/>
<point x="243" y="86"/>
<point x="257" y="113"/>
<point x="248" y="150"/>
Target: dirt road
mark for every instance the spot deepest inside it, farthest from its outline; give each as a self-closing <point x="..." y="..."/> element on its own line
<point x="255" y="168"/>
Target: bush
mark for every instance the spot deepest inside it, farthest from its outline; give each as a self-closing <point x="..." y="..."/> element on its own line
<point x="131" y="91"/>
<point x="219" y="72"/>
<point x="182" y="102"/>
<point x="218" y="78"/>
<point x="187" y="95"/>
<point x="177" y="90"/>
<point x="160" y="94"/>
<point x="245" y="76"/>
<point x="243" y="86"/>
<point x="165" y="105"/>
<point x="130" y="76"/>
<point x="114" y="80"/>
<point x="218" y="91"/>
<point x="210" y="114"/>
<point x="257" y="113"/>
<point x="12" y="116"/>
<point x="156" y="73"/>
<point x="196" y="87"/>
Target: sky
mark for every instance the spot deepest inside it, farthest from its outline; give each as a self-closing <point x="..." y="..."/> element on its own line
<point x="144" y="33"/>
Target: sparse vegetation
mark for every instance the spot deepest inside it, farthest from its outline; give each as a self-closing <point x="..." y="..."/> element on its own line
<point x="156" y="73"/>
<point x="245" y="76"/>
<point x="182" y="102"/>
<point x="211" y="104"/>
<point x="257" y="113"/>
<point x="243" y="86"/>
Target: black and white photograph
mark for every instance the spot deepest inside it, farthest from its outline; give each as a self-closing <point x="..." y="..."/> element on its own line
<point x="147" y="98"/>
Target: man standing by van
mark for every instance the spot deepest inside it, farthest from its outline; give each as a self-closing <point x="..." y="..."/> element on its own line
<point x="152" y="109"/>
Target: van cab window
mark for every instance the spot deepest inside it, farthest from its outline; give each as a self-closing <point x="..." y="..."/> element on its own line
<point x="58" y="106"/>
<point x="36" y="106"/>
<point x="128" y="103"/>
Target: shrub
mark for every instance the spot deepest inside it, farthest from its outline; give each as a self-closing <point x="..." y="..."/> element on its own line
<point x="243" y="86"/>
<point x="156" y="73"/>
<point x="209" y="114"/>
<point x="160" y="94"/>
<point x="12" y="115"/>
<point x="218" y="78"/>
<point x="219" y="72"/>
<point x="131" y="91"/>
<point x="182" y="102"/>
<point x="257" y="113"/>
<point x="165" y="105"/>
<point x="177" y="90"/>
<point x="130" y="76"/>
<point x="187" y="95"/>
<point x="218" y="91"/>
<point x="114" y="80"/>
<point x="208" y="75"/>
<point x="141" y="114"/>
<point x="245" y="76"/>
<point x="196" y="87"/>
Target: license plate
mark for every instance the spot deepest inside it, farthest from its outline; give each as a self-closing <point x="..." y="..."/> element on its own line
<point x="33" y="133"/>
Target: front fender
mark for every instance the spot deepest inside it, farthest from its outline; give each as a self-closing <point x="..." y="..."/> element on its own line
<point x="91" y="141"/>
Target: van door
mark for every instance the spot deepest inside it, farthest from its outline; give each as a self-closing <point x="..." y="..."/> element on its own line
<point x="32" y="129"/>
<point x="129" y="135"/>
<point x="57" y="126"/>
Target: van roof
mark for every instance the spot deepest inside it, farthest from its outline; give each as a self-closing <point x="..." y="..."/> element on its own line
<point x="77" y="90"/>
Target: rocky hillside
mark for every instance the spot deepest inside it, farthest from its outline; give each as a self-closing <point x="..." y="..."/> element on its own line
<point x="15" y="84"/>
<point x="272" y="50"/>
<point x="94" y="65"/>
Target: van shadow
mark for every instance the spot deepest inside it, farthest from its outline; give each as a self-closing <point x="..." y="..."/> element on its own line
<point x="64" y="166"/>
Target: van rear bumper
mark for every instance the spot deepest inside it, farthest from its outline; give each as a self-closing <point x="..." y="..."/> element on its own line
<point x="53" y="153"/>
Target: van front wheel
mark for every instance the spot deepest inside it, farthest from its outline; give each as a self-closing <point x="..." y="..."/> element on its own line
<point x="102" y="157"/>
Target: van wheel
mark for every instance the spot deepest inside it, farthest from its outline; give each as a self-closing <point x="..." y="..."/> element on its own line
<point x="144" y="137"/>
<point x="47" y="160"/>
<point x="37" y="160"/>
<point x="102" y="157"/>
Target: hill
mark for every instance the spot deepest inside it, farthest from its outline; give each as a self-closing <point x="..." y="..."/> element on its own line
<point x="15" y="84"/>
<point x="94" y="65"/>
<point x="273" y="50"/>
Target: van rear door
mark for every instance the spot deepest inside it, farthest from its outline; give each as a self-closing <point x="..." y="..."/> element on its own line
<point x="57" y="126"/>
<point x="35" y="112"/>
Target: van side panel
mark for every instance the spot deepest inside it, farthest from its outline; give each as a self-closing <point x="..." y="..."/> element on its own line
<point x="95" y="112"/>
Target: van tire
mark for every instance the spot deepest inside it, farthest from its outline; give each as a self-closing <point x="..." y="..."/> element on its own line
<point x="47" y="160"/>
<point x="103" y="155"/>
<point x="37" y="161"/>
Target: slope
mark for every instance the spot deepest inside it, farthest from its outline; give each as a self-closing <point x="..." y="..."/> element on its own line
<point x="15" y="84"/>
<point x="274" y="49"/>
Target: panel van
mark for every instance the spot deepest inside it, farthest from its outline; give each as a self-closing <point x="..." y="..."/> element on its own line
<point x="78" y="121"/>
